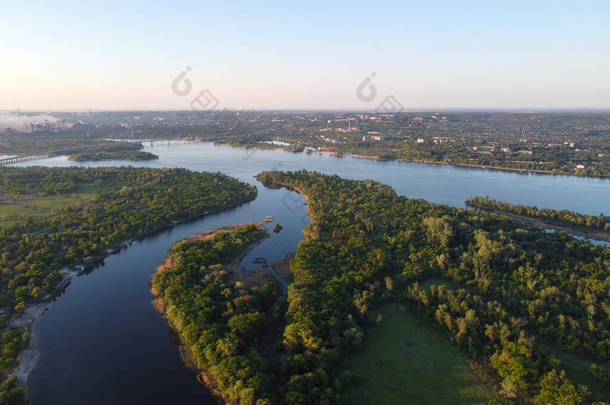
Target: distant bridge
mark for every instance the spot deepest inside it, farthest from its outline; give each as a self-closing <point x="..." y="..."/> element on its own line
<point x="72" y="150"/>
<point x="23" y="158"/>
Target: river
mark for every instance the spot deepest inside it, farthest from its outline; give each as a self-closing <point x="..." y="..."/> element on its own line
<point x="101" y="342"/>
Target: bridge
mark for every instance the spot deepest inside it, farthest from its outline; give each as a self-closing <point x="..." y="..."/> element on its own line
<point x="23" y="158"/>
<point x="75" y="149"/>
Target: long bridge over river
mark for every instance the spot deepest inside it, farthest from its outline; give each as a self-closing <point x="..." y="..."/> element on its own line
<point x="43" y="155"/>
<point x="22" y="158"/>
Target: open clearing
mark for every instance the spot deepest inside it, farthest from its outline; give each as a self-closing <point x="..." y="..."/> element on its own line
<point x="403" y="362"/>
<point x="16" y="208"/>
<point x="577" y="369"/>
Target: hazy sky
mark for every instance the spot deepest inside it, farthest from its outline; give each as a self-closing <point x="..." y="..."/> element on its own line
<point x="308" y="54"/>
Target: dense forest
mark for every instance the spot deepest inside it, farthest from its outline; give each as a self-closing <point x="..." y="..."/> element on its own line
<point x="118" y="155"/>
<point x="224" y="323"/>
<point x="559" y="217"/>
<point x="112" y="150"/>
<point x="512" y="285"/>
<point x="130" y="204"/>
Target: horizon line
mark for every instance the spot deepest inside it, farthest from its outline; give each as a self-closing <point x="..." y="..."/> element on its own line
<point x="329" y="110"/>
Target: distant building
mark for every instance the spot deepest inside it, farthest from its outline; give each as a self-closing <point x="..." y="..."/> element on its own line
<point x="420" y="140"/>
<point x="580" y="166"/>
<point x="484" y="149"/>
<point x="441" y="139"/>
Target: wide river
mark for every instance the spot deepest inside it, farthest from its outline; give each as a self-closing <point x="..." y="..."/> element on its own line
<point x="101" y="342"/>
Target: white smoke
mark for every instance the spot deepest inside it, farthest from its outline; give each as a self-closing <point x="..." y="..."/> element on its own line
<point x="25" y="123"/>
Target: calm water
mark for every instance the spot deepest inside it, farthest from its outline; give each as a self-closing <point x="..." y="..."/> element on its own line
<point x="102" y="343"/>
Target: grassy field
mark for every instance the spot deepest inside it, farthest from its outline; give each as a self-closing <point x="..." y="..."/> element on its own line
<point x="403" y="362"/>
<point x="15" y="208"/>
<point x="577" y="369"/>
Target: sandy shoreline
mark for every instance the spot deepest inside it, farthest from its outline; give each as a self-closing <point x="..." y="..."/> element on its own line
<point x="28" y="357"/>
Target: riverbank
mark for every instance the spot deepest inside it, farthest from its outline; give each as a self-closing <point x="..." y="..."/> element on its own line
<point x="421" y="161"/>
<point x="25" y="320"/>
<point x="26" y="361"/>
<point x="471" y="165"/>
<point x="202" y="375"/>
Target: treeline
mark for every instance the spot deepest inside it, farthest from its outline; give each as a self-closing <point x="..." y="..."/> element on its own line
<point x="63" y="142"/>
<point x="559" y="217"/>
<point x="112" y="150"/>
<point x="137" y="202"/>
<point x="224" y="324"/>
<point x="486" y="331"/>
<point x="118" y="155"/>
<point x="367" y="245"/>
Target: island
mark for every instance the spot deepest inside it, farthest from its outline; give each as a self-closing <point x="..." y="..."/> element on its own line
<point x="116" y="155"/>
<point x="228" y="321"/>
<point x="587" y="226"/>
<point x="112" y="150"/>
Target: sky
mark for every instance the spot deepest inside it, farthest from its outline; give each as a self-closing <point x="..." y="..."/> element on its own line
<point x="125" y="55"/>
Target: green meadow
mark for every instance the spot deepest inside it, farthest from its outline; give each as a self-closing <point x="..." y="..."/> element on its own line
<point x="404" y="362"/>
<point x="16" y="208"/>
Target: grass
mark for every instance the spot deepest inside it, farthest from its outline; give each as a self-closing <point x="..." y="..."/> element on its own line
<point x="577" y="369"/>
<point x="16" y="208"/>
<point x="403" y="362"/>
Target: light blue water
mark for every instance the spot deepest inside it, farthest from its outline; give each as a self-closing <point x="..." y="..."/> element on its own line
<point x="436" y="183"/>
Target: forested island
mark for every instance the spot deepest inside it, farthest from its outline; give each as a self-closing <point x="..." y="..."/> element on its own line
<point x="112" y="150"/>
<point x="560" y="217"/>
<point x="590" y="226"/>
<point x="118" y="155"/>
<point x="90" y="214"/>
<point x="228" y="326"/>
